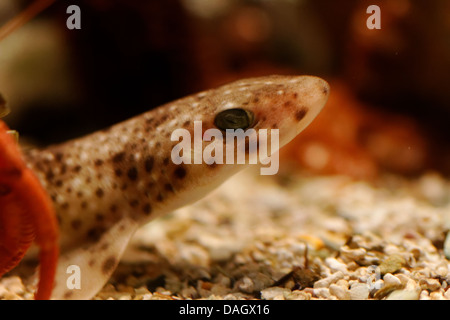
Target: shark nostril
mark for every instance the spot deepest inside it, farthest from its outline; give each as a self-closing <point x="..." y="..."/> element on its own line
<point x="300" y="114"/>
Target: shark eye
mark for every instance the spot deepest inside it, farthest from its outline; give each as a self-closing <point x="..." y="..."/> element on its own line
<point x="234" y="119"/>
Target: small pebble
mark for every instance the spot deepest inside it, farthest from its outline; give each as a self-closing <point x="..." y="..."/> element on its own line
<point x="437" y="296"/>
<point x="274" y="293"/>
<point x="300" y="295"/>
<point x="411" y="285"/>
<point x="429" y="284"/>
<point x="424" y="295"/>
<point x="442" y="270"/>
<point x="392" y="264"/>
<point x="246" y="285"/>
<point x="323" y="293"/>
<point x="325" y="282"/>
<point x="359" y="291"/>
<point x="340" y="292"/>
<point x="391" y="280"/>
<point x="404" y="295"/>
<point x="348" y="254"/>
<point x="336" y="265"/>
<point x="403" y="278"/>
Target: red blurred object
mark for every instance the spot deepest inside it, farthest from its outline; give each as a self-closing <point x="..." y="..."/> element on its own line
<point x="26" y="215"/>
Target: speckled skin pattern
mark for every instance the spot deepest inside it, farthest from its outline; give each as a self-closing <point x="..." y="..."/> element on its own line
<point x="105" y="185"/>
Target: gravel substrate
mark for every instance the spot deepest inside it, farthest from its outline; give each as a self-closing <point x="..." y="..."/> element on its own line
<point x="291" y="238"/>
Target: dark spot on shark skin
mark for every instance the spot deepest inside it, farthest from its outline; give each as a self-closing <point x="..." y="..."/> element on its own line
<point x="180" y="172"/>
<point x="132" y="173"/>
<point x="99" y="193"/>
<point x="148" y="164"/>
<point x="118" y="157"/>
<point x="109" y="264"/>
<point x="76" y="224"/>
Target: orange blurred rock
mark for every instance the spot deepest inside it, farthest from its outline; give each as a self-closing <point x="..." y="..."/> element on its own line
<point x="357" y="140"/>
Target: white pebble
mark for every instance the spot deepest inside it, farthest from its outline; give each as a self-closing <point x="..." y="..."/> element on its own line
<point x="390" y="279"/>
<point x="339" y="292"/>
<point x="335" y="265"/>
<point x="411" y="285"/>
<point x="326" y="282"/>
<point x="359" y="291"/>
<point x="322" y="293"/>
<point x="424" y="295"/>
<point x="274" y="293"/>
<point x="390" y="249"/>
<point x="403" y="278"/>
<point x="342" y="283"/>
<point x="404" y="295"/>
<point x="299" y="295"/>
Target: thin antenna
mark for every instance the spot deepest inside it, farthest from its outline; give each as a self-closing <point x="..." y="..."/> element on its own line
<point x="26" y="15"/>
